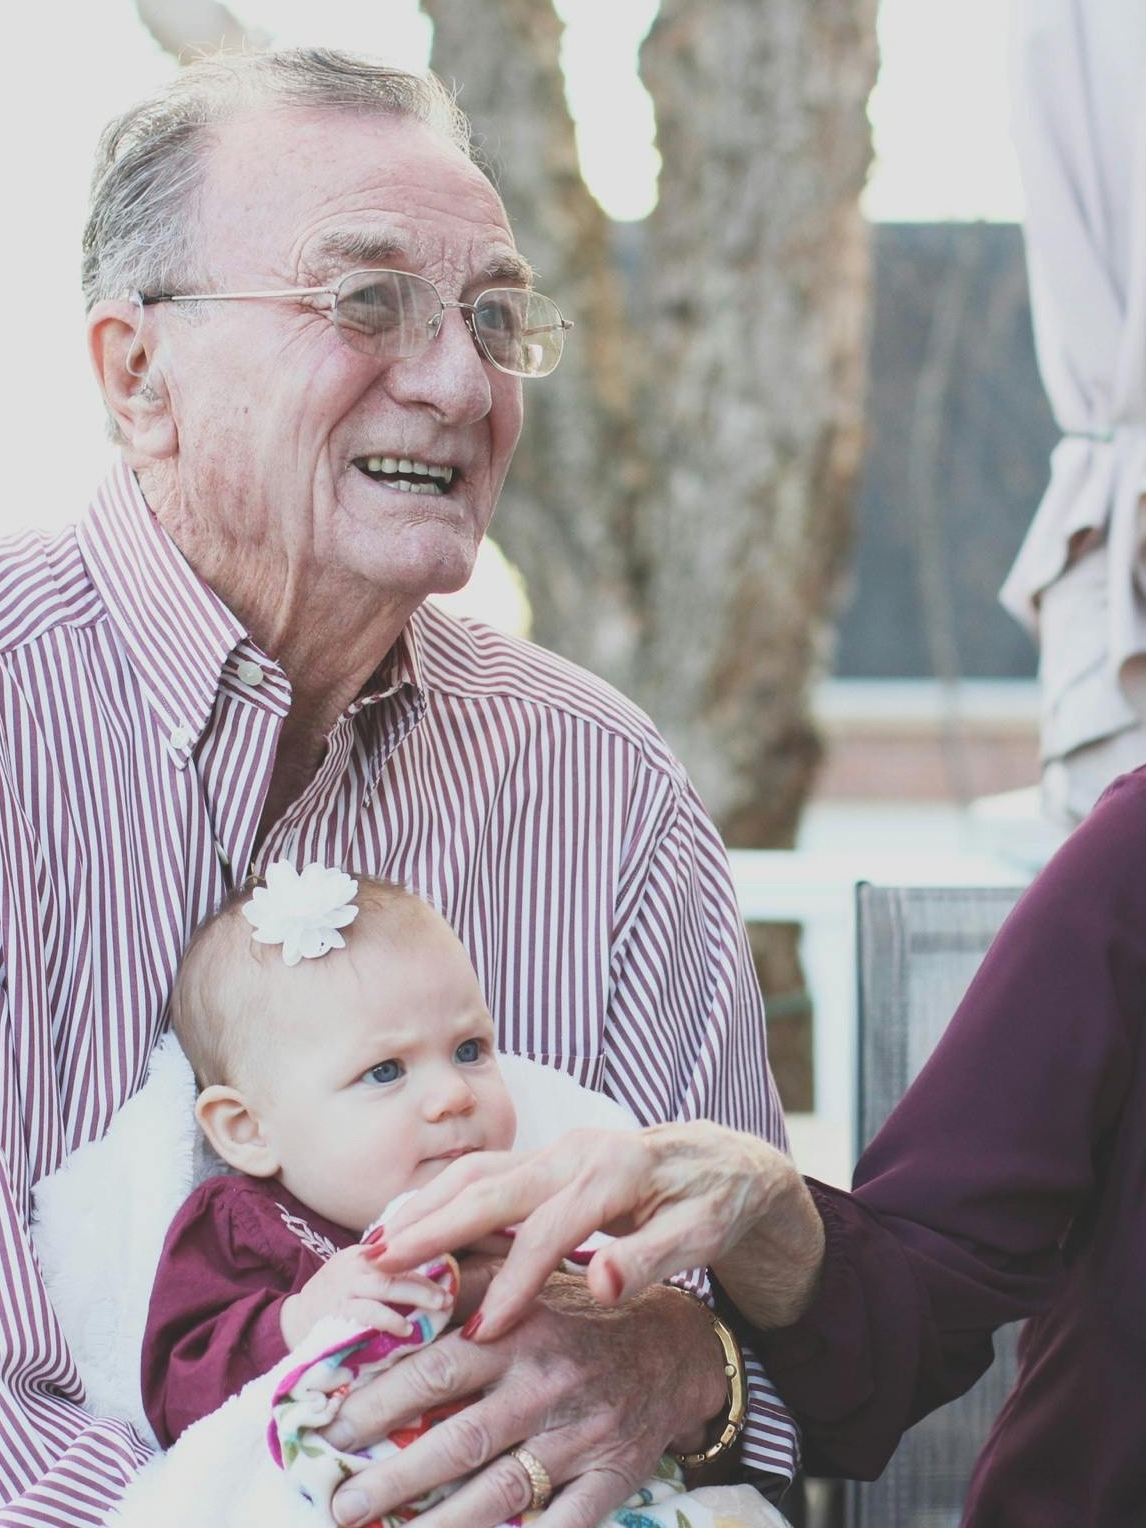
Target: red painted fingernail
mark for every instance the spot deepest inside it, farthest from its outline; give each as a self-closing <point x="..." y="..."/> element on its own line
<point x="377" y="1237"/>
<point x="614" y="1280"/>
<point x="472" y="1326"/>
<point x="375" y="1248"/>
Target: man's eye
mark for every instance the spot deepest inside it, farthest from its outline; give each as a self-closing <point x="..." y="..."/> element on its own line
<point x="373" y="309"/>
<point x="468" y="1052"/>
<point x="386" y="1071"/>
<point x="500" y="315"/>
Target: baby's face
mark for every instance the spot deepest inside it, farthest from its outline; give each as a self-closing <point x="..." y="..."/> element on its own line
<point x="384" y="1070"/>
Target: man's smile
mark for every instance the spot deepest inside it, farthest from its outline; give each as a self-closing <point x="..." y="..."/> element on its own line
<point x="407" y="475"/>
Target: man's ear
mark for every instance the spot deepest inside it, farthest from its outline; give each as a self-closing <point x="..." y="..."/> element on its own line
<point x="231" y="1125"/>
<point x="131" y="382"/>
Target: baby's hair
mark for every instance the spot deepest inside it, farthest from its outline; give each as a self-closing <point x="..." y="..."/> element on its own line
<point x="221" y="998"/>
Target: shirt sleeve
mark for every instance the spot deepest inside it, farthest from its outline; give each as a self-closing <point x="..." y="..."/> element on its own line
<point x="59" y="1466"/>
<point x="213" y="1323"/>
<point x="686" y="1037"/>
<point x="966" y="1202"/>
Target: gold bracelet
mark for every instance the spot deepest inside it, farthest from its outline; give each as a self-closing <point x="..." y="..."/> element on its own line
<point x="737" y="1390"/>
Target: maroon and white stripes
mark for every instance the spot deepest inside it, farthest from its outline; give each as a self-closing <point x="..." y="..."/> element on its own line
<point x="536" y="807"/>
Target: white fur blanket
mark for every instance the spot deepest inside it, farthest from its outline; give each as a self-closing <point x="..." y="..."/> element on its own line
<point x="99" y="1224"/>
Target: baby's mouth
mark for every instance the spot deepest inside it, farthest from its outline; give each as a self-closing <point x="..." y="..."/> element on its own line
<point x="407" y="475"/>
<point x="452" y="1156"/>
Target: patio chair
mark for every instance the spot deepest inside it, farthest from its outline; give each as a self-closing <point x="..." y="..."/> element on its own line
<point x="917" y="950"/>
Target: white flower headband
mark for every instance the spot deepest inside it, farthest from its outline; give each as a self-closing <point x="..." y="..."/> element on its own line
<point x="302" y="912"/>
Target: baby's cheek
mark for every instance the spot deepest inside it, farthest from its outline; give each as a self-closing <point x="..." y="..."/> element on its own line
<point x="506" y="1125"/>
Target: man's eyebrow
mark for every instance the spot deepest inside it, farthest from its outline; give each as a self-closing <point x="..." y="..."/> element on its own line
<point x="366" y="247"/>
<point x="508" y="266"/>
<point x="358" y="245"/>
<point x="361" y="245"/>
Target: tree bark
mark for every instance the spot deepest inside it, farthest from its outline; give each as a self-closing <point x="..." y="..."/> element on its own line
<point x="679" y="506"/>
<point x="567" y="515"/>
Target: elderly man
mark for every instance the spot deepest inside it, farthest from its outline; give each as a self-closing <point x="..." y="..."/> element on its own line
<point x="310" y="325"/>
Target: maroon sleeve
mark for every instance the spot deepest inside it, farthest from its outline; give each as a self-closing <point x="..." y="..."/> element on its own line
<point x="213" y="1321"/>
<point x="965" y="1203"/>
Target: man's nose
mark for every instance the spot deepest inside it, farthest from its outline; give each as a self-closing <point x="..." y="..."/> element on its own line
<point x="450" y="376"/>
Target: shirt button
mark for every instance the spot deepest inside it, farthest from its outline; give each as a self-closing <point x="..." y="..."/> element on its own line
<point x="250" y="673"/>
<point x="180" y="737"/>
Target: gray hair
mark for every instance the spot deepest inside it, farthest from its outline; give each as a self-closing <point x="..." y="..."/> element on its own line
<point x="150" y="161"/>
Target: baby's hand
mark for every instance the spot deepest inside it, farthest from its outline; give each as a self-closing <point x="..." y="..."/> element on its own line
<point x="351" y="1284"/>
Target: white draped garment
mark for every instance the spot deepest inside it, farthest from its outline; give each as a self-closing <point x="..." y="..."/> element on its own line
<point x="1078" y="70"/>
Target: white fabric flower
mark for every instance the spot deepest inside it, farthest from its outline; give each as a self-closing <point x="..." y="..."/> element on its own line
<point x="303" y="912"/>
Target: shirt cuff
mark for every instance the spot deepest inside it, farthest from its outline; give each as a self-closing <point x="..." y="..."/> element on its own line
<point x="770" y="1442"/>
<point x="823" y="1363"/>
<point x="848" y="1367"/>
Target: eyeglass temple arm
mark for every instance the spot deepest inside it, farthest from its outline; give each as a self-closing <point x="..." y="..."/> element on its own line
<point x="147" y="302"/>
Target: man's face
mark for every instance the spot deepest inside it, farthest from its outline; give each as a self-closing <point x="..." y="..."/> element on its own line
<point x="379" y="1069"/>
<point x="277" y="417"/>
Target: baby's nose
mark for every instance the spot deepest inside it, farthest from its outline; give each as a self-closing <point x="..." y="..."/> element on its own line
<point x="451" y="1095"/>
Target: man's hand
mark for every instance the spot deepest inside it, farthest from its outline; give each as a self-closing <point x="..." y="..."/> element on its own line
<point x="351" y="1284"/>
<point x="596" y="1395"/>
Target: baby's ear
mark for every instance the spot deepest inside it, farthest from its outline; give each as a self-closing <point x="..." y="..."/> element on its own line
<point x="231" y="1125"/>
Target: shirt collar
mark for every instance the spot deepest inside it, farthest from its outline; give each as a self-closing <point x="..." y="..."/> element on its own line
<point x="401" y="669"/>
<point x="177" y="632"/>
<point x="175" y="629"/>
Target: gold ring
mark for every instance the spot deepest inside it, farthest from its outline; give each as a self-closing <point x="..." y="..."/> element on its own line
<point x="539" y="1479"/>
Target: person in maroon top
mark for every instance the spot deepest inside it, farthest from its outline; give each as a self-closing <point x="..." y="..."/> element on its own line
<point x="331" y="1085"/>
<point x="1010" y="1182"/>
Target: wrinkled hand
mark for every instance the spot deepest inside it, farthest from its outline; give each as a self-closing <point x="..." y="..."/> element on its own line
<point x="675" y="1196"/>
<point x="351" y="1284"/>
<point x="595" y="1395"/>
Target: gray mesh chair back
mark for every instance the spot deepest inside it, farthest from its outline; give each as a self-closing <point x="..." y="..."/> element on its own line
<point x="918" y="949"/>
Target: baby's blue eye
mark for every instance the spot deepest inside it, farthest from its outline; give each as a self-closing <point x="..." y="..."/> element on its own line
<point x="386" y="1071"/>
<point x="468" y="1051"/>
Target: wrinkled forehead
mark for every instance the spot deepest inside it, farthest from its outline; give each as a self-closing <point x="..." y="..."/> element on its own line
<point x="299" y="195"/>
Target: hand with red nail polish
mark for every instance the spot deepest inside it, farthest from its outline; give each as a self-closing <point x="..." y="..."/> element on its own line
<point x="675" y="1197"/>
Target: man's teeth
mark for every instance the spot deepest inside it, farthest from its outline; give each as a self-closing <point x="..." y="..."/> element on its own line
<point x="438" y="478"/>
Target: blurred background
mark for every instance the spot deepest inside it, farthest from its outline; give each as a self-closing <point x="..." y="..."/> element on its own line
<point x="797" y="438"/>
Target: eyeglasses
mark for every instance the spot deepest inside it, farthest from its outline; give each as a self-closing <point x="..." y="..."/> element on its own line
<point x="395" y="315"/>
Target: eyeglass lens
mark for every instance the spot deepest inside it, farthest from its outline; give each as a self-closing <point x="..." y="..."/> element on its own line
<point x="394" y="315"/>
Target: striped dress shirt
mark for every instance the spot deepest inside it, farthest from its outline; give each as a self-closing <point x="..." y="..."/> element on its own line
<point x="530" y="802"/>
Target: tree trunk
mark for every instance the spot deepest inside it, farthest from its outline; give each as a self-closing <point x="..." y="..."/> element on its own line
<point x="186" y="28"/>
<point x="567" y="514"/>
<point x="679" y="504"/>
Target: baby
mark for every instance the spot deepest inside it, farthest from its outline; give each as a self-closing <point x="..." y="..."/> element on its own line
<point x="335" y="1074"/>
<point x="331" y="1085"/>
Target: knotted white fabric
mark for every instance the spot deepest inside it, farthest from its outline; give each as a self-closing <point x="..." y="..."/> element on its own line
<point x="1078" y="72"/>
